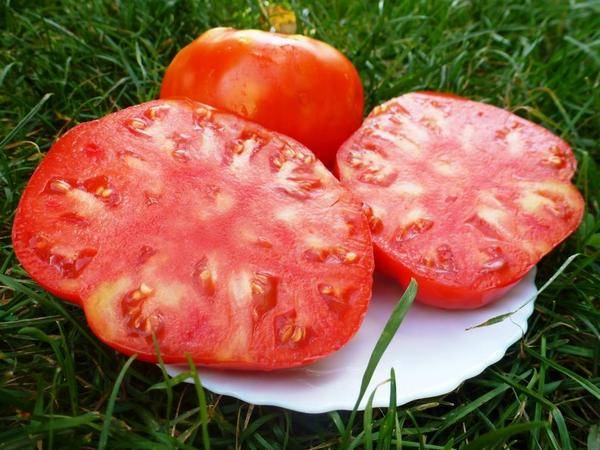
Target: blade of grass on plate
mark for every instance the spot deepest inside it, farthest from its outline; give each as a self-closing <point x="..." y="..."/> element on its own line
<point x="501" y="317"/>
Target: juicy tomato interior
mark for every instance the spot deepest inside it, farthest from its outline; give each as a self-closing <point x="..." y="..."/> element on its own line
<point x="55" y="234"/>
<point x="292" y="84"/>
<point x="463" y="196"/>
<point x="220" y="239"/>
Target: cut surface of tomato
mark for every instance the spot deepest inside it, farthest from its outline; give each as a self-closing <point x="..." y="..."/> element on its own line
<point x="216" y="237"/>
<point x="463" y="196"/>
<point x="55" y="236"/>
<point x="298" y="86"/>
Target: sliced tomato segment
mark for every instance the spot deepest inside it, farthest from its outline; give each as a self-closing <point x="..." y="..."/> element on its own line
<point x="56" y="228"/>
<point x="463" y="196"/>
<point x="225" y="241"/>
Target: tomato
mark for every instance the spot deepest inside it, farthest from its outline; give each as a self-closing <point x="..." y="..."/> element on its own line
<point x="54" y="262"/>
<point x="292" y="84"/>
<point x="225" y="241"/>
<point x="463" y="196"/>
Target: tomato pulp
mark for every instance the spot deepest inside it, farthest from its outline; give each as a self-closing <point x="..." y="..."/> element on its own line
<point x="292" y="84"/>
<point x="221" y="239"/>
<point x="463" y="196"/>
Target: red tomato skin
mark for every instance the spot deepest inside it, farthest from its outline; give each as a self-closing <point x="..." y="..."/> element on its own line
<point x="436" y="294"/>
<point x="298" y="86"/>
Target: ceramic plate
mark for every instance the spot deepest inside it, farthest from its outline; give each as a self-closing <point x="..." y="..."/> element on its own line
<point x="432" y="353"/>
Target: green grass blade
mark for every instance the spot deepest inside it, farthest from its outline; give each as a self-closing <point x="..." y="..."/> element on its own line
<point x="111" y="403"/>
<point x="30" y="322"/>
<point x="552" y="438"/>
<point x="166" y="377"/>
<point x="357" y="441"/>
<point x="17" y="286"/>
<point x="337" y="421"/>
<point x="496" y="437"/>
<point x="390" y="329"/>
<point x="201" y="403"/>
<point x="524" y="389"/>
<point x="563" y="432"/>
<point x="459" y="413"/>
<point x="368" y="422"/>
<point x="386" y="430"/>
<point x="449" y="445"/>
<point x="585" y="384"/>
<point x="537" y="415"/>
<point x="5" y="71"/>
<point x="593" y="439"/>
<point x="254" y="426"/>
<point x="398" y="433"/>
<point x="417" y="429"/>
<point x="57" y="423"/>
<point x="68" y="369"/>
<point x="24" y="121"/>
<point x="173" y="381"/>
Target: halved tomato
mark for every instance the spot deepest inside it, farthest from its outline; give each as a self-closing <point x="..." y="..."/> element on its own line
<point x="221" y="239"/>
<point x="463" y="196"/>
<point x="292" y="84"/>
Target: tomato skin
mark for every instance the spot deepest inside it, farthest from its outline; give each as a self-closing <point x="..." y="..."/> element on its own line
<point x="298" y="86"/>
<point x="432" y="292"/>
<point x="462" y="196"/>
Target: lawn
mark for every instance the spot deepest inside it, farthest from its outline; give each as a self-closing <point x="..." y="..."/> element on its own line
<point x="66" y="62"/>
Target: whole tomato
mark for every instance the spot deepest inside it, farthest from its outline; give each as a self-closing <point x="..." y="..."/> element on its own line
<point x="292" y="84"/>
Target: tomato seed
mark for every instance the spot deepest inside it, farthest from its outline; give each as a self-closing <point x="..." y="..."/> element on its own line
<point x="136" y="126"/>
<point x="157" y="112"/>
<point x="414" y="229"/>
<point x="492" y="265"/>
<point x="58" y="186"/>
<point x="264" y="293"/>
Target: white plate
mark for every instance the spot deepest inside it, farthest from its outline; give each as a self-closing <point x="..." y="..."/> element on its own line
<point x="432" y="353"/>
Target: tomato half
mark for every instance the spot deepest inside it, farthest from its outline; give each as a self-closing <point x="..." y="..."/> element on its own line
<point x="463" y="196"/>
<point x="225" y="241"/>
<point x="292" y="84"/>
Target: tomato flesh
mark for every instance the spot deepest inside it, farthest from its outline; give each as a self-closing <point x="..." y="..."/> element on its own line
<point x="221" y="239"/>
<point x="55" y="260"/>
<point x="292" y="84"/>
<point x="463" y="196"/>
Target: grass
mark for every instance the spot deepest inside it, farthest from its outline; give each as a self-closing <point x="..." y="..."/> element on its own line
<point x="65" y="62"/>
